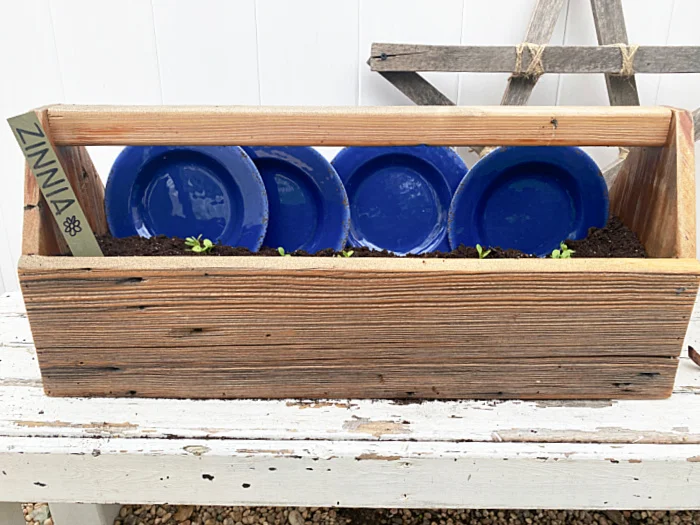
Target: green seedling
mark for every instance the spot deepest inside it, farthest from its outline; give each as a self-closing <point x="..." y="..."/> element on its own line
<point x="197" y="245"/>
<point x="347" y="253"/>
<point x="281" y="251"/>
<point x="563" y="252"/>
<point x="483" y="254"/>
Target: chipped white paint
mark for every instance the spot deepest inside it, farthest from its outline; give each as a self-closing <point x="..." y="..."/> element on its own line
<point x="619" y="454"/>
<point x="318" y="473"/>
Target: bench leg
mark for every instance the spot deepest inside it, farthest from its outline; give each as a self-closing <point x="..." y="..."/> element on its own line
<point x="11" y="514"/>
<point x="83" y="513"/>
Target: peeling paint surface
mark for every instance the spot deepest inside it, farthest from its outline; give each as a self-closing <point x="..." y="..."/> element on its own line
<point x="377" y="457"/>
<point x="196" y="450"/>
<point x="375" y="428"/>
<point x="316" y="404"/>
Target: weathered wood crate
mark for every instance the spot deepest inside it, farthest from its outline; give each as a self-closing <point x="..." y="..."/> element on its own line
<point x="208" y="327"/>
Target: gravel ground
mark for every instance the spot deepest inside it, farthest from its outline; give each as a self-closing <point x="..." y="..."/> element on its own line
<point x="198" y="515"/>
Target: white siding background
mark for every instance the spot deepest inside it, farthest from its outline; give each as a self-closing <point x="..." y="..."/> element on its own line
<point x="281" y="52"/>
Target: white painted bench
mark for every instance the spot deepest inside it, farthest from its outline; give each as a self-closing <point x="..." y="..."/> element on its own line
<point x="479" y="454"/>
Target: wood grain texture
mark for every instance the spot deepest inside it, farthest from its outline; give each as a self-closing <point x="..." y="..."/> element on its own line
<point x="609" y="20"/>
<point x="367" y="126"/>
<point x="417" y="88"/>
<point x="654" y="192"/>
<point x="555" y="59"/>
<point x="296" y="327"/>
<point x="41" y="234"/>
<point x="610" y="173"/>
<point x="539" y="31"/>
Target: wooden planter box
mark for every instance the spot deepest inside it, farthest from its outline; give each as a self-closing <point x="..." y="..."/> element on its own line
<point x="236" y="327"/>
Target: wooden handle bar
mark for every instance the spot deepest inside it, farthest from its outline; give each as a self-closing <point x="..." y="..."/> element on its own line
<point x="358" y="126"/>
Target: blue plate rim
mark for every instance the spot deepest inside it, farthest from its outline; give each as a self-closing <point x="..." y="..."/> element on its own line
<point x="123" y="175"/>
<point x="495" y="155"/>
<point x="338" y="196"/>
<point x="453" y="173"/>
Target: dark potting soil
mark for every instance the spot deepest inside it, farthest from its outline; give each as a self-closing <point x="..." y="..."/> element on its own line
<point x="614" y="240"/>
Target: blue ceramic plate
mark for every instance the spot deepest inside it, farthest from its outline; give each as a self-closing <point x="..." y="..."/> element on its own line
<point x="183" y="191"/>
<point x="308" y="206"/>
<point x="399" y="196"/>
<point x="529" y="198"/>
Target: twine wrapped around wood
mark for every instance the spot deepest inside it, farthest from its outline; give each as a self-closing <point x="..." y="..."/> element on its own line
<point x="535" y="69"/>
<point x="627" y="53"/>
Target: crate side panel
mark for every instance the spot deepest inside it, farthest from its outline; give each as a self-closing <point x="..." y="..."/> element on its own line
<point x="654" y="192"/>
<point x="320" y="332"/>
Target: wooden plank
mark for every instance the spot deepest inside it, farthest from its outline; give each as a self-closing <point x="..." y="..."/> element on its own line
<point x="41" y="235"/>
<point x="339" y="126"/>
<point x="40" y="231"/>
<point x="539" y="31"/>
<point x="609" y="20"/>
<point x="654" y="192"/>
<point x="417" y="88"/>
<point x="411" y="21"/>
<point x="610" y="173"/>
<point x="517" y="92"/>
<point x="412" y="475"/>
<point x="273" y="328"/>
<point x="555" y="59"/>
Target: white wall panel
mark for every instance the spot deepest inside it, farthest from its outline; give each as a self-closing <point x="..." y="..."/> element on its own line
<point x="207" y="51"/>
<point x="406" y="21"/>
<point x="107" y="55"/>
<point x="30" y="78"/>
<point x="312" y="61"/>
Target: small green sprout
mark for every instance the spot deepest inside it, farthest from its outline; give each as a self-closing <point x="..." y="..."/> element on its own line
<point x="483" y="254"/>
<point x="281" y="251"/>
<point x="347" y="253"/>
<point x="197" y="245"/>
<point x="563" y="252"/>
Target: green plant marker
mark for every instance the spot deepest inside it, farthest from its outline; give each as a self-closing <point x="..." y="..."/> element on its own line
<point x="44" y="164"/>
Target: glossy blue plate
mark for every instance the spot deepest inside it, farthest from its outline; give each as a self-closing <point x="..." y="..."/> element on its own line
<point x="529" y="198"/>
<point x="183" y="191"/>
<point x="308" y="206"/>
<point x="399" y="196"/>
